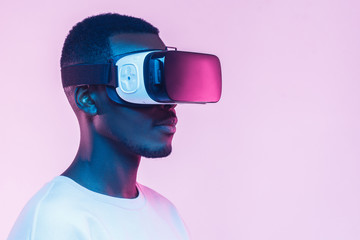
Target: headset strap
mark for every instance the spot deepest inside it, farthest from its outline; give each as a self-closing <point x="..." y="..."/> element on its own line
<point x="89" y="74"/>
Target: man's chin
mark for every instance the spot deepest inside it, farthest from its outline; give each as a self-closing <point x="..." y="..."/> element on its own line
<point x="149" y="151"/>
<point x="156" y="153"/>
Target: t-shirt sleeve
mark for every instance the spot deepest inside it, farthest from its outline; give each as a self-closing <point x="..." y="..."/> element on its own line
<point x="45" y="219"/>
<point x="43" y="223"/>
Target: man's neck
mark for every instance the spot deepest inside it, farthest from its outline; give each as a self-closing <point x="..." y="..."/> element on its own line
<point x="104" y="166"/>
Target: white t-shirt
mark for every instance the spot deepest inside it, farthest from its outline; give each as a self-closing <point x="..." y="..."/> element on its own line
<point x="64" y="210"/>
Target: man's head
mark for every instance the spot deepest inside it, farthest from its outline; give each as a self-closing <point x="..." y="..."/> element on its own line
<point x="89" y="40"/>
<point x="145" y="131"/>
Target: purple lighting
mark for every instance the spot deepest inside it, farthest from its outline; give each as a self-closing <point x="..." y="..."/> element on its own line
<point x="191" y="77"/>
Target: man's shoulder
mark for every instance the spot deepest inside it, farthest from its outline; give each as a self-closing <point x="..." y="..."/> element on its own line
<point x="56" y="194"/>
<point x="150" y="193"/>
<point x="55" y="198"/>
<point x="50" y="206"/>
<point x="160" y="205"/>
<point x="156" y="199"/>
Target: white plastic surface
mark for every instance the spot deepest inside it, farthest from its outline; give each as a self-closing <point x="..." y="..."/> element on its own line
<point x="131" y="88"/>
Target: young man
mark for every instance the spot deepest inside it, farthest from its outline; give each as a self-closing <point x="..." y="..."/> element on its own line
<point x="98" y="197"/>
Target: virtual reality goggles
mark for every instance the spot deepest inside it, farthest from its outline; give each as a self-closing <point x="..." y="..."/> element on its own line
<point x="152" y="77"/>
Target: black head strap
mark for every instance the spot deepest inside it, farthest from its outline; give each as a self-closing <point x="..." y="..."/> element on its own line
<point x="89" y="74"/>
<point x="94" y="74"/>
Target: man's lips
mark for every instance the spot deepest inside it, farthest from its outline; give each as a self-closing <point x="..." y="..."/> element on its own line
<point x="167" y="122"/>
<point x="167" y="125"/>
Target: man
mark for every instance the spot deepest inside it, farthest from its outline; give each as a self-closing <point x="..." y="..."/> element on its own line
<point x="98" y="197"/>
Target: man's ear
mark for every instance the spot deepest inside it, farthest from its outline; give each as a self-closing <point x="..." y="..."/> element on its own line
<point x="84" y="100"/>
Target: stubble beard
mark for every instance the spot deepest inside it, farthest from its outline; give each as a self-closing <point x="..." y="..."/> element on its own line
<point x="148" y="151"/>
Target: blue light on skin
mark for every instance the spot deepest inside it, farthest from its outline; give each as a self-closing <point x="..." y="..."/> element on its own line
<point x="113" y="137"/>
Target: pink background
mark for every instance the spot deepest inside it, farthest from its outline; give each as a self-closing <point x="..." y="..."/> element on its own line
<point x="277" y="158"/>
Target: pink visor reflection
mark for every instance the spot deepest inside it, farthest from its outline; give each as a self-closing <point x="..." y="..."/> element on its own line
<point x="192" y="77"/>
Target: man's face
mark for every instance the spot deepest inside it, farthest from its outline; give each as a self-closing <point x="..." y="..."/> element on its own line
<point x="145" y="131"/>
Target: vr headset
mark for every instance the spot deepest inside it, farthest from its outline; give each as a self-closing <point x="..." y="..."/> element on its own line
<point x="152" y="77"/>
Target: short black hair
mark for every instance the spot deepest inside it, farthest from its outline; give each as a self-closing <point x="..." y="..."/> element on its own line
<point x="88" y="40"/>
